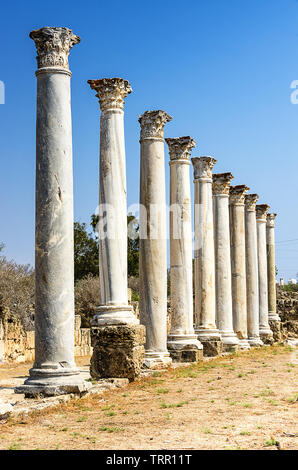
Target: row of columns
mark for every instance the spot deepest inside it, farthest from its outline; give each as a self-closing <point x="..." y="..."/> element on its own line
<point x="230" y="265"/>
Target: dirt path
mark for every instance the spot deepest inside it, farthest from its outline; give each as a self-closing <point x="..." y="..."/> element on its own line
<point x="245" y="401"/>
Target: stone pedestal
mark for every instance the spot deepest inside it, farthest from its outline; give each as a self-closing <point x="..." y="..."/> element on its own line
<point x="265" y="332"/>
<point x="224" y="310"/>
<point x="118" y="351"/>
<point x="252" y="283"/>
<point x="54" y="371"/>
<point x="153" y="239"/>
<point x="237" y="232"/>
<point x="183" y="344"/>
<point x="204" y="267"/>
<point x="114" y="315"/>
<point x="271" y="274"/>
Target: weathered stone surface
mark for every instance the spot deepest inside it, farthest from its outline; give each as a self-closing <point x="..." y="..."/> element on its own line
<point x="5" y="410"/>
<point x="277" y="330"/>
<point x="186" y="355"/>
<point x="182" y="337"/>
<point x="224" y="309"/>
<point x="153" y="237"/>
<point x="212" y="348"/>
<point x="204" y="262"/>
<point x="118" y="351"/>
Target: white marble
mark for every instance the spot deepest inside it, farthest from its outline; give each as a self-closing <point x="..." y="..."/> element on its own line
<point x="273" y="316"/>
<point x="112" y="227"/>
<point x="261" y="216"/>
<point x="182" y="335"/>
<point x="238" y="263"/>
<point x="54" y="371"/>
<point x="252" y="276"/>
<point x="224" y="310"/>
<point x="153" y="238"/>
<point x="204" y="262"/>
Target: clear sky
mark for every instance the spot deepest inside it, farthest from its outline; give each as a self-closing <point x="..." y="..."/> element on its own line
<point x="221" y="68"/>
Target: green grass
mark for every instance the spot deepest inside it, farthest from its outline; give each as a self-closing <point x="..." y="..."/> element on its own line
<point x="110" y="429"/>
<point x="174" y="405"/>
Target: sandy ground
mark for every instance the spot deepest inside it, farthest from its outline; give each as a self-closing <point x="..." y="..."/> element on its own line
<point x="242" y="401"/>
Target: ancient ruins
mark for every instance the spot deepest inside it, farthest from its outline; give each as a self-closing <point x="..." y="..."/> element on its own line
<point x="223" y="302"/>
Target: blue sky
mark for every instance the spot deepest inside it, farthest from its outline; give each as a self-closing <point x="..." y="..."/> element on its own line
<point x="221" y="68"/>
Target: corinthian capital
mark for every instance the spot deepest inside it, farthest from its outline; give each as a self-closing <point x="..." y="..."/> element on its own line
<point x="202" y="167"/>
<point x="262" y="210"/>
<point x="250" y="201"/>
<point x="180" y="148"/>
<point x="152" y="124"/>
<point x="237" y="194"/>
<point x="111" y="92"/>
<point x="221" y="183"/>
<point x="271" y="220"/>
<point x="53" y="46"/>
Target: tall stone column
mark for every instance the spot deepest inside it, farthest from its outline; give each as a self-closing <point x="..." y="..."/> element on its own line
<point x="273" y="316"/>
<point x="54" y="371"/>
<point x="261" y="215"/>
<point x="153" y="242"/>
<point x="114" y="326"/>
<point x="183" y="344"/>
<point x="252" y="276"/>
<point x="224" y="310"/>
<point x="238" y="263"/>
<point x="204" y="263"/>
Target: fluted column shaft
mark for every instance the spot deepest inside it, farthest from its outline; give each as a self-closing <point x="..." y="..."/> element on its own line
<point x="252" y="275"/>
<point x="224" y="311"/>
<point x="261" y="215"/>
<point x="153" y="243"/>
<point x="270" y="236"/>
<point x="204" y="264"/>
<point x="237" y="232"/>
<point x="182" y="335"/>
<point x="113" y="308"/>
<point x="54" y="371"/>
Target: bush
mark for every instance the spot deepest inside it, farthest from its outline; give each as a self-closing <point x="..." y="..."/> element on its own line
<point x="17" y="291"/>
<point x="86" y="298"/>
<point x="133" y="284"/>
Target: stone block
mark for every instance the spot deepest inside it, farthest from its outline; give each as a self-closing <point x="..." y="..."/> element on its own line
<point x="118" y="351"/>
<point x="212" y="348"/>
<point x="276" y="328"/>
<point x="186" y="355"/>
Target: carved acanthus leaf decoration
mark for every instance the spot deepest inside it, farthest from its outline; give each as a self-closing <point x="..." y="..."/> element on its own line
<point x="262" y="210"/>
<point x="221" y="183"/>
<point x="111" y="92"/>
<point x="152" y="124"/>
<point x="180" y="148"/>
<point x="237" y="194"/>
<point x="203" y="167"/>
<point x="53" y="46"/>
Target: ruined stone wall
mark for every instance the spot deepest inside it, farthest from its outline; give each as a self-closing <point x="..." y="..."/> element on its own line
<point x="287" y="309"/>
<point x="17" y="345"/>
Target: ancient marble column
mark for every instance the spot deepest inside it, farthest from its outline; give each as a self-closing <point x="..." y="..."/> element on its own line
<point x="271" y="274"/>
<point x="183" y="344"/>
<point x="238" y="263"/>
<point x="114" y="313"/>
<point x="252" y="276"/>
<point x="223" y="280"/>
<point x="204" y="263"/>
<point x="153" y="238"/>
<point x="261" y="215"/>
<point x="54" y="371"/>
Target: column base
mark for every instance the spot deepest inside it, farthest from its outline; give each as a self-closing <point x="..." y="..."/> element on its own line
<point x="114" y="315"/>
<point x="273" y="316"/>
<point x="230" y="341"/>
<point x="157" y="360"/>
<point x="118" y="351"/>
<point x="211" y="341"/>
<point x="244" y="344"/>
<point x="255" y="342"/>
<point x="49" y="382"/>
<point x="276" y="329"/>
<point x="266" y="335"/>
<point x="184" y="348"/>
